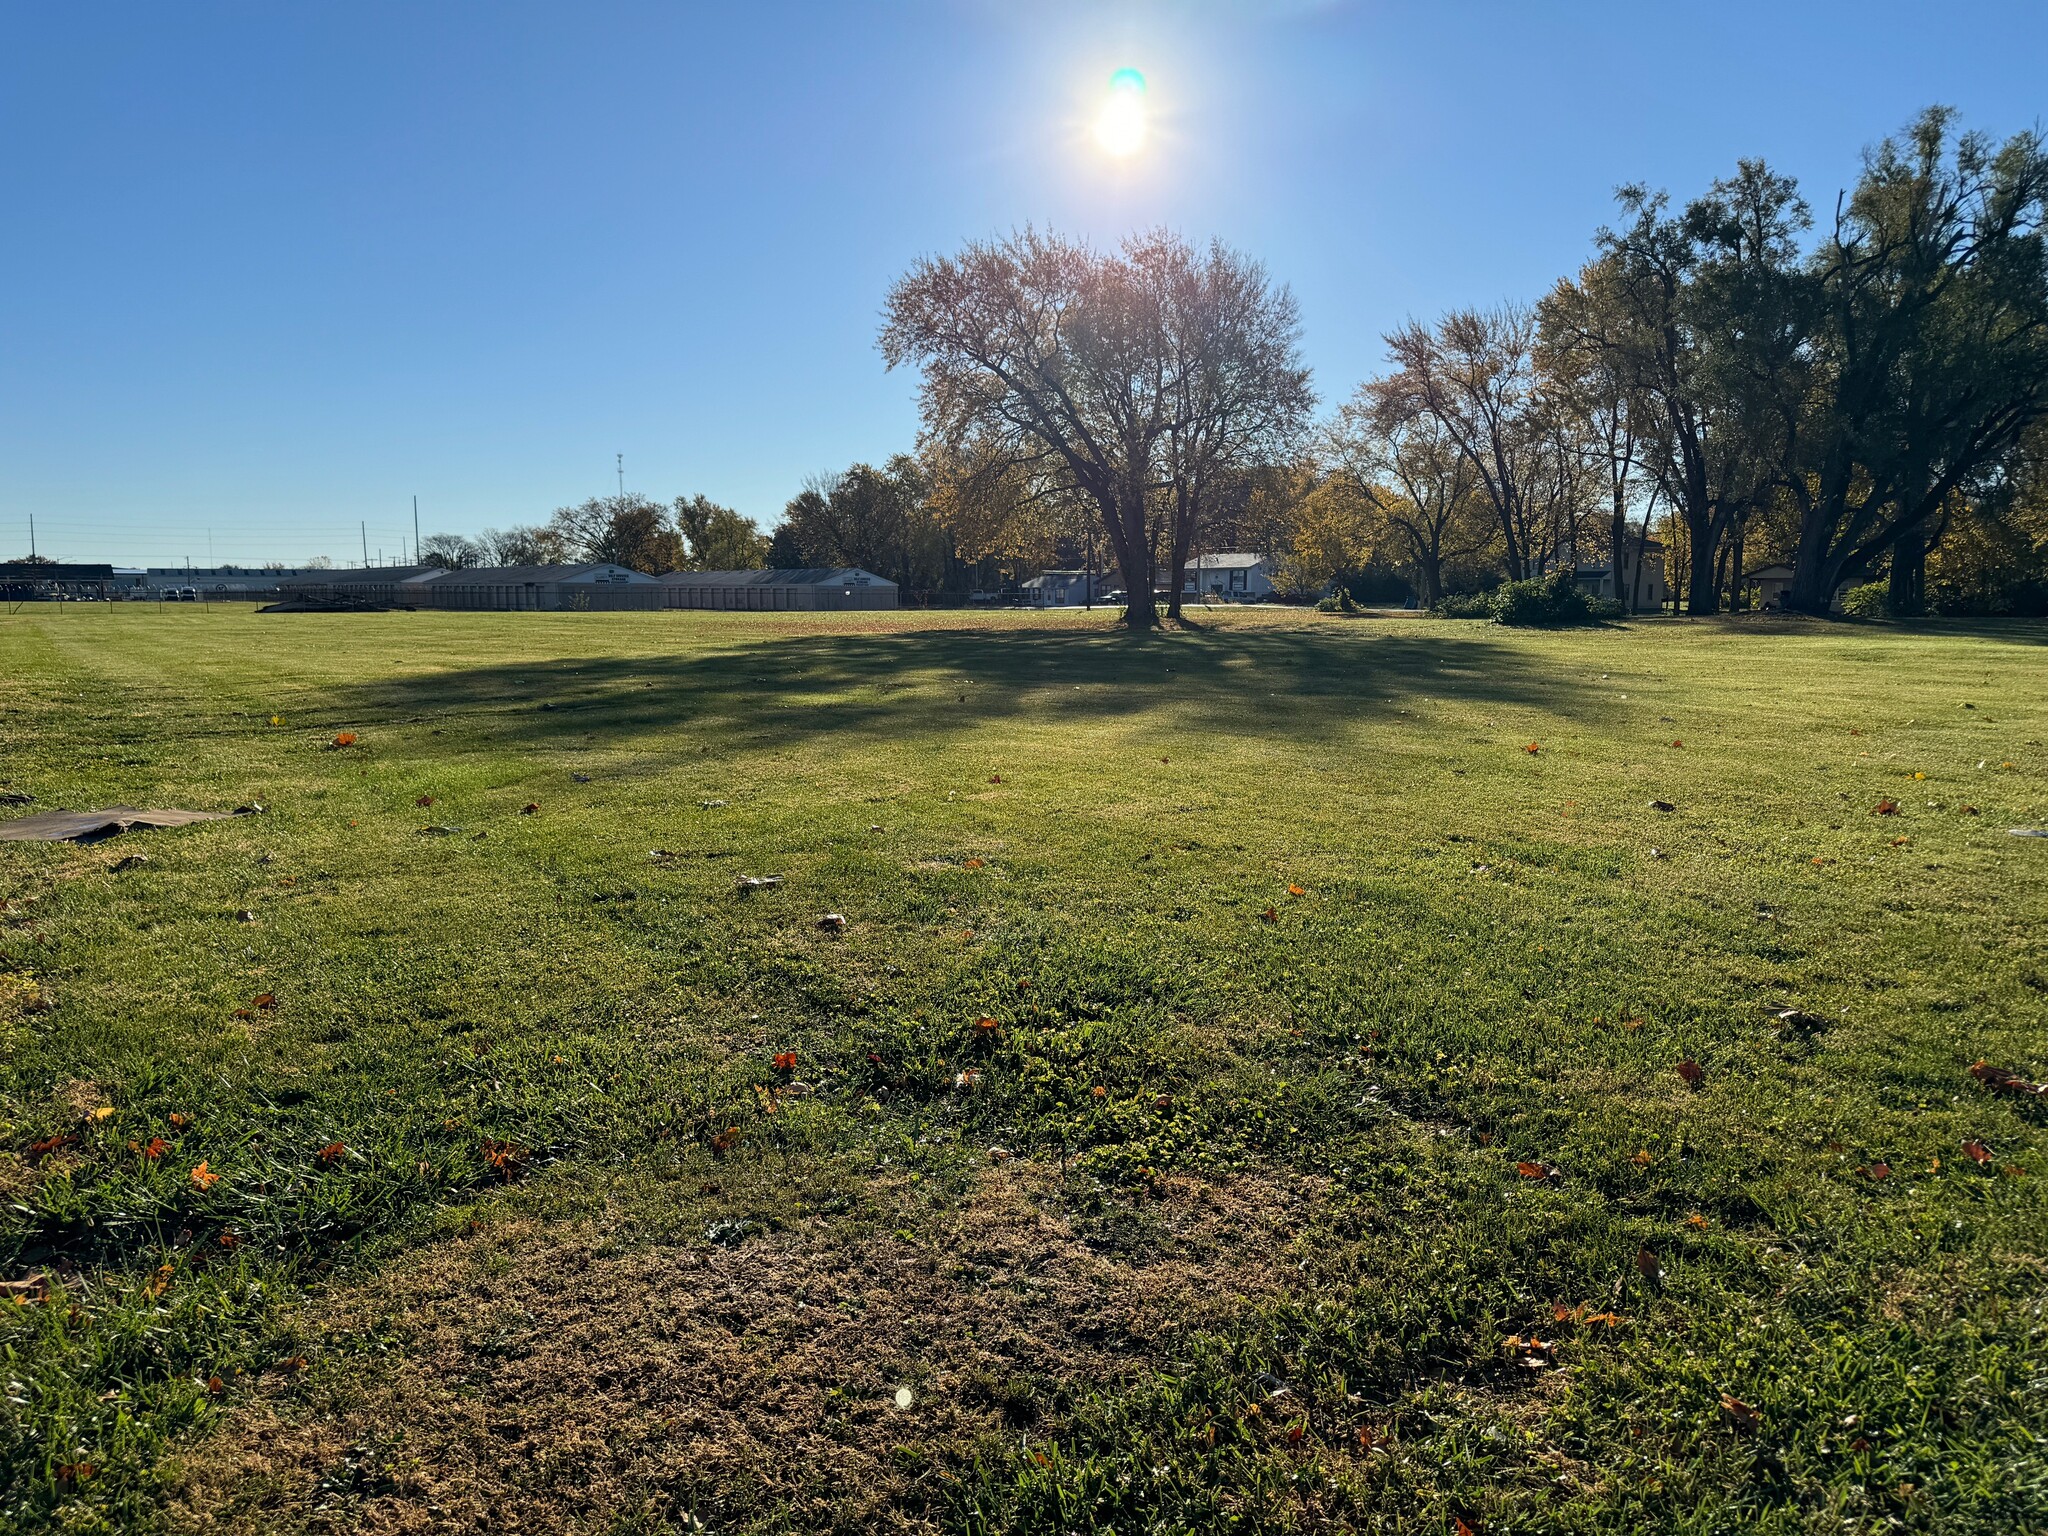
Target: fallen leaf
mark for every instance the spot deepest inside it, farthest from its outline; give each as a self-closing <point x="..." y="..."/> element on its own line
<point x="1745" y="1417"/>
<point x="1098" y="1091"/>
<point x="1697" y="1222"/>
<point x="1662" y="805"/>
<point x="264" y="1000"/>
<point x="333" y="1152"/>
<point x="785" y="1061"/>
<point x="1533" y="748"/>
<point x="986" y="1026"/>
<point x="972" y="864"/>
<point x="832" y="922"/>
<point x="156" y="1148"/>
<point x="531" y="808"/>
<point x="725" y="1140"/>
<point x="1269" y="916"/>
<point x="1879" y="1170"/>
<point x="504" y="1159"/>
<point x="205" y="1177"/>
<point x="1678" y="743"/>
<point x="1693" y="1073"/>
<point x="2001" y="1081"/>
<point x="1886" y="808"/>
<point x="1296" y="890"/>
<point x="1642" y="1158"/>
<point x="1296" y="1432"/>
<point x="1649" y="1266"/>
<point x="1977" y="1152"/>
<point x="424" y="800"/>
<point x="1532" y="1170"/>
<point x="345" y="739"/>
<point x="995" y="778"/>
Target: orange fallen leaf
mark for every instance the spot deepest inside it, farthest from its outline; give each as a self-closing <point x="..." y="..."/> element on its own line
<point x="1879" y="1170"/>
<point x="333" y="1152"/>
<point x="264" y="1000"/>
<point x="785" y="1061"/>
<point x="1367" y="1439"/>
<point x="1642" y="1157"/>
<point x="972" y="864"/>
<point x="2001" y="1081"/>
<point x="180" y="1120"/>
<point x="1269" y="916"/>
<point x="1533" y="748"/>
<point x="1745" y="1417"/>
<point x="1297" y="890"/>
<point x="1977" y="1152"/>
<point x="1886" y="808"/>
<point x="1697" y="1222"/>
<point x="725" y="1140"/>
<point x="157" y="1148"/>
<point x="1532" y="1170"/>
<point x="345" y="739"/>
<point x="986" y="1025"/>
<point x="205" y="1177"/>
<point x="1098" y="1091"/>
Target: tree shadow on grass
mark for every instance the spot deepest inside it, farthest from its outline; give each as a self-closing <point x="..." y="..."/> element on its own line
<point x="777" y="689"/>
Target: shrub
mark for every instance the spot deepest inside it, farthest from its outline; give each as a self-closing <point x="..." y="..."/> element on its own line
<point x="1550" y="601"/>
<point x="1872" y="600"/>
<point x="1464" y="605"/>
<point x="1339" y="601"/>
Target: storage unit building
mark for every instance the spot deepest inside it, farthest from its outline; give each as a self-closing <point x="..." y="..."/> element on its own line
<point x="774" y="591"/>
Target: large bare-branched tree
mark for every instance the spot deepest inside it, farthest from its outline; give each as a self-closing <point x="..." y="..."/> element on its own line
<point x="1133" y="382"/>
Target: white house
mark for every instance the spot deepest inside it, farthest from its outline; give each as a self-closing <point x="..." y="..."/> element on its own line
<point x="1645" y="597"/>
<point x="1243" y="578"/>
<point x="1067" y="589"/>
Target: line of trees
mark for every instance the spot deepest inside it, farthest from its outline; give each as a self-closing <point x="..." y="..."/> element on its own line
<point x="1858" y="402"/>
<point x="1869" y="399"/>
<point x="692" y="533"/>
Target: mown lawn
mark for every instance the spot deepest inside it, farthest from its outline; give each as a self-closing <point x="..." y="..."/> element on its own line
<point x="1245" y="1093"/>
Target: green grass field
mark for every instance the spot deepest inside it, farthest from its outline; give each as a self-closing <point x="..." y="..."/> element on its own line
<point x="1245" y="1094"/>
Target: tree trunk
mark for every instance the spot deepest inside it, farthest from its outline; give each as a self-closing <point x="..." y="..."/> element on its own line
<point x="1908" y="595"/>
<point x="1127" y="533"/>
<point x="1702" y="588"/>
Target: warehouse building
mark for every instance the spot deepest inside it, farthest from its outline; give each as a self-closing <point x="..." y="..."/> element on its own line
<point x="539" y="588"/>
<point x="774" y="591"/>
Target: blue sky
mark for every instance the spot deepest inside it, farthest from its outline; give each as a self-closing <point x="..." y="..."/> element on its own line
<point x="271" y="270"/>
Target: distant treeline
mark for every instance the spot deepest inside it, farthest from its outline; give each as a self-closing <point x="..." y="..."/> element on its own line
<point x="1863" y="402"/>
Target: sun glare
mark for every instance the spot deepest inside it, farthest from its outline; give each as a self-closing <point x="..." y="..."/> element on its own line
<point x="1120" y="125"/>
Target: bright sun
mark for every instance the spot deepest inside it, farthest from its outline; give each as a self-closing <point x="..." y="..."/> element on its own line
<point x="1120" y="125"/>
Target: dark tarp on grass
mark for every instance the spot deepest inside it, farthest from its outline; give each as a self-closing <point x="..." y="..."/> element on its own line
<point x="91" y="826"/>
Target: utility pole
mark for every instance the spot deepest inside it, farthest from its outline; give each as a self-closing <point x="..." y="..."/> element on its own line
<point x="622" y="479"/>
<point x="364" y="529"/>
<point x="415" y="530"/>
<point x="31" y="536"/>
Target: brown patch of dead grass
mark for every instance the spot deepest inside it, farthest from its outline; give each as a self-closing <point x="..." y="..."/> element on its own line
<point x="543" y="1385"/>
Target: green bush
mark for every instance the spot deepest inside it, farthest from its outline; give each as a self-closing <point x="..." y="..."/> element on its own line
<point x="1547" y="602"/>
<point x="1464" y="605"/>
<point x="1872" y="600"/>
<point x="1339" y="601"/>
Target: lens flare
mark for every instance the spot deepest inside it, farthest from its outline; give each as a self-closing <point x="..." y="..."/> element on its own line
<point x="1120" y="125"/>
